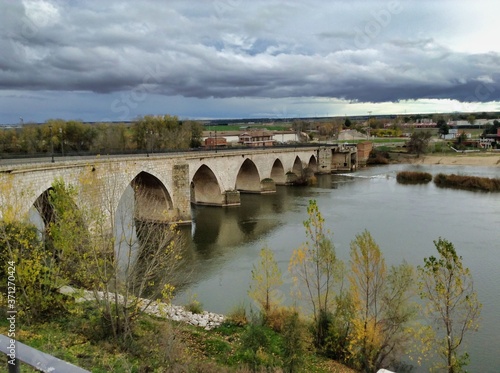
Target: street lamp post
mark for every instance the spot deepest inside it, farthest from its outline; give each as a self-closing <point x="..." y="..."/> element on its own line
<point x="149" y="142"/>
<point x="51" y="144"/>
<point x="62" y="141"/>
<point x="215" y="141"/>
<point x="151" y="138"/>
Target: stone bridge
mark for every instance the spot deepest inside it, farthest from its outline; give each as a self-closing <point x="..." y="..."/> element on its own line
<point x="164" y="185"/>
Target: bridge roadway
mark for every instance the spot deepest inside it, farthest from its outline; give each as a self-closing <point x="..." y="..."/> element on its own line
<point x="164" y="185"/>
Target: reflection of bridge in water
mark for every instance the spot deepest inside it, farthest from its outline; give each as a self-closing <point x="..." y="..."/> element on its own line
<point x="217" y="234"/>
<point x="166" y="185"/>
<point x="228" y="227"/>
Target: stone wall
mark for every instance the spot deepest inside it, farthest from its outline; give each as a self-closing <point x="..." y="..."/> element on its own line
<point x="324" y="160"/>
<point x="364" y="150"/>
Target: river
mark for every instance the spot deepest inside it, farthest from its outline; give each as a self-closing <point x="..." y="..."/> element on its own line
<point x="404" y="220"/>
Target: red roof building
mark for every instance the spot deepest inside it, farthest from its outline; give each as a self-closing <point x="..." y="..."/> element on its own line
<point x="256" y="138"/>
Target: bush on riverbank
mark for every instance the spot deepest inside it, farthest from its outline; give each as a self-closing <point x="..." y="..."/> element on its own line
<point x="378" y="157"/>
<point x="413" y="177"/>
<point x="467" y="182"/>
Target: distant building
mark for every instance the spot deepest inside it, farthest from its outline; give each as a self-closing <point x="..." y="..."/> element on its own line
<point x="420" y="123"/>
<point x="467" y="135"/>
<point x="256" y="138"/>
<point x="424" y="123"/>
<point x="285" y="136"/>
<point x="452" y="134"/>
<point x="215" y="142"/>
<point x="490" y="141"/>
<point x="486" y="143"/>
<point x="476" y="123"/>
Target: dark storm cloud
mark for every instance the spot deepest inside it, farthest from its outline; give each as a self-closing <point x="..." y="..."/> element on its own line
<point x="232" y="48"/>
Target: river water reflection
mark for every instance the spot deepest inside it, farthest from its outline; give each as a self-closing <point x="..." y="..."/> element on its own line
<point x="404" y="220"/>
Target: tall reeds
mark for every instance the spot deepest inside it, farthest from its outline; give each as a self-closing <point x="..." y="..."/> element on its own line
<point x="467" y="182"/>
<point x="413" y="177"/>
<point x="474" y="183"/>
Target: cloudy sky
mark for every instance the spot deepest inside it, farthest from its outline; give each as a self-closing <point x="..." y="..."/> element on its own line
<point x="115" y="60"/>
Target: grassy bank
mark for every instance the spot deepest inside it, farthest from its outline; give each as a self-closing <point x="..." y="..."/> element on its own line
<point x="79" y="338"/>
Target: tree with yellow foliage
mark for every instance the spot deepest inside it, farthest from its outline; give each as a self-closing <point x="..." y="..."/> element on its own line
<point x="266" y="280"/>
<point x="382" y="305"/>
<point x="38" y="272"/>
<point x="81" y="246"/>
<point x="452" y="302"/>
<point x="130" y="262"/>
<point x="316" y="270"/>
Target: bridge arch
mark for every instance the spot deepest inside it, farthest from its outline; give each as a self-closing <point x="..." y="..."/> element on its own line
<point x="151" y="197"/>
<point x="297" y="166"/>
<point x="248" y="179"/>
<point x="278" y="172"/>
<point x="205" y="189"/>
<point x="313" y="164"/>
<point x="54" y="213"/>
<point x="44" y="210"/>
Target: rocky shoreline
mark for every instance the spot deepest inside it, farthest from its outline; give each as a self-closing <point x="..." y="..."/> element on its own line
<point x="205" y="320"/>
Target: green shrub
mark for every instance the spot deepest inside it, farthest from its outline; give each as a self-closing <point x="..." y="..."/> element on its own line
<point x="217" y="348"/>
<point x="340" y="329"/>
<point x="441" y="147"/>
<point x="383" y="149"/>
<point x="378" y="157"/>
<point x="36" y="271"/>
<point x="194" y="306"/>
<point x="294" y="342"/>
<point x="320" y="328"/>
<point x="238" y="316"/>
<point x="260" y="347"/>
<point x="276" y="318"/>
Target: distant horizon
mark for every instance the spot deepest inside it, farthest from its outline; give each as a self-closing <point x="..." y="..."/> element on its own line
<point x="247" y="119"/>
